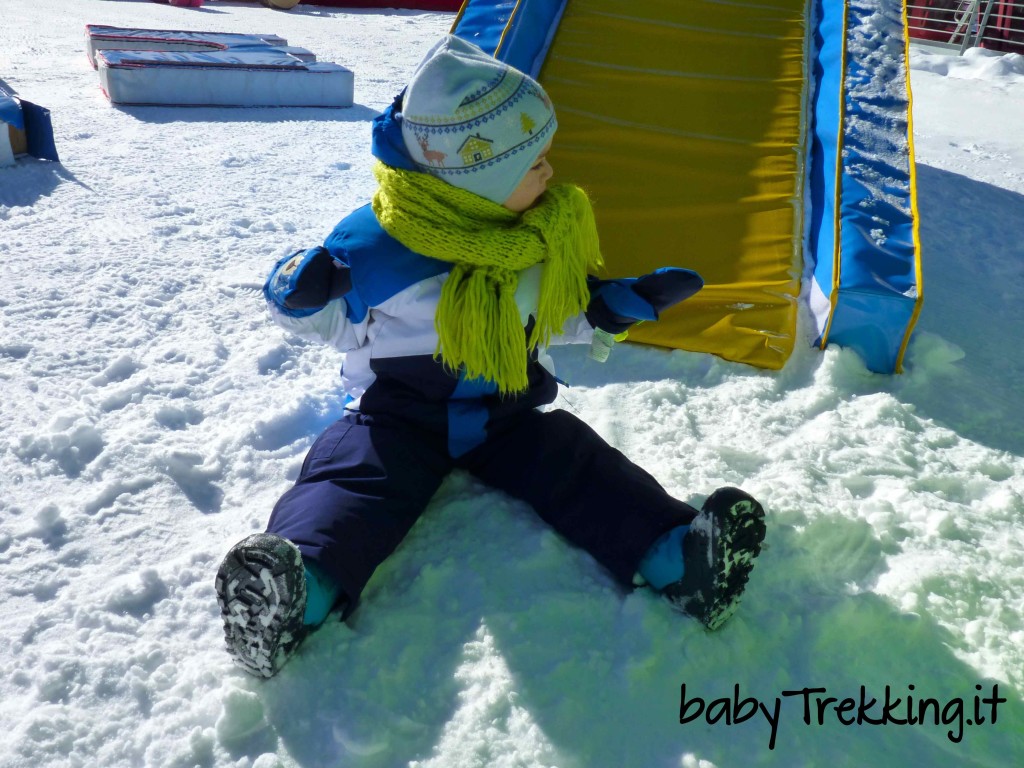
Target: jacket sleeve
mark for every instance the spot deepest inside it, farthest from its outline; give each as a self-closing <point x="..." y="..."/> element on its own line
<point x="334" y="322"/>
<point x="617" y="305"/>
<point x="330" y="325"/>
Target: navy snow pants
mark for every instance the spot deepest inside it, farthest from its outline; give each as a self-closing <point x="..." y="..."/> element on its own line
<point x="367" y="479"/>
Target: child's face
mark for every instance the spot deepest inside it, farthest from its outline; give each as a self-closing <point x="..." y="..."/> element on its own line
<point x="533" y="185"/>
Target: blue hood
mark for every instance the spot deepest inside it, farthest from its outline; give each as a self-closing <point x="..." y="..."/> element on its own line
<point x="387" y="144"/>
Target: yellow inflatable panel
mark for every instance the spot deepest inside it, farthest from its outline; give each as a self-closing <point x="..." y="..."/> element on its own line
<point x="682" y="118"/>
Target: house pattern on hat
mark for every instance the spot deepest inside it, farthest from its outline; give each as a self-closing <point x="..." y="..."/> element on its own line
<point x="476" y="149"/>
<point x="508" y="118"/>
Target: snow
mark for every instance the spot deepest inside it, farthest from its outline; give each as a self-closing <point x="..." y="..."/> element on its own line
<point x="151" y="416"/>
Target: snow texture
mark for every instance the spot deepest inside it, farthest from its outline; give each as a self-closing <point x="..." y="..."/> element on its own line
<point x="152" y="415"/>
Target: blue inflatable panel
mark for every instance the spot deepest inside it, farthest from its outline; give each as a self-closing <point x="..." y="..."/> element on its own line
<point x="483" y="22"/>
<point x="863" y="243"/>
<point x="822" y="204"/>
<point x="518" y="32"/>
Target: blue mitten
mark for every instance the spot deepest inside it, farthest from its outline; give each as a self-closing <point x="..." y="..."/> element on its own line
<point x="306" y="281"/>
<point x="616" y="305"/>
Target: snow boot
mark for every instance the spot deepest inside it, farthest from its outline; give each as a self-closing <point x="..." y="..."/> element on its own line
<point x="261" y="589"/>
<point x="718" y="555"/>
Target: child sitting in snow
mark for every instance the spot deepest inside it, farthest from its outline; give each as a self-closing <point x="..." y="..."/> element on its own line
<point x="444" y="294"/>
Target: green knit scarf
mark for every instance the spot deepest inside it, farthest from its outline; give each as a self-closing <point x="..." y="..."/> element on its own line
<point x="477" y="320"/>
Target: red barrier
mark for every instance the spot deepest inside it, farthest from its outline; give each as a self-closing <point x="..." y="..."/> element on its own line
<point x="932" y="19"/>
<point x="938" y="20"/>
<point x="1005" y="30"/>
<point x="419" y="5"/>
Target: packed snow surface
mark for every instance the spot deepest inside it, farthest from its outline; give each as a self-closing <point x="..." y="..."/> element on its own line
<point x="152" y="414"/>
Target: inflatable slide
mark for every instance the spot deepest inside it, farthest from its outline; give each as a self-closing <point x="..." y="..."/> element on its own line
<point x="733" y="139"/>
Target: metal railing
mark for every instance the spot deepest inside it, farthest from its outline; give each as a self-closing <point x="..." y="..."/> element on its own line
<point x="963" y="24"/>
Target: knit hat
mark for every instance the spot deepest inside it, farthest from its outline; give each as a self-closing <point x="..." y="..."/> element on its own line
<point x="473" y="121"/>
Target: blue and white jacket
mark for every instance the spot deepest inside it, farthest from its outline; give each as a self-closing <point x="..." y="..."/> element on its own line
<point x="385" y="326"/>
